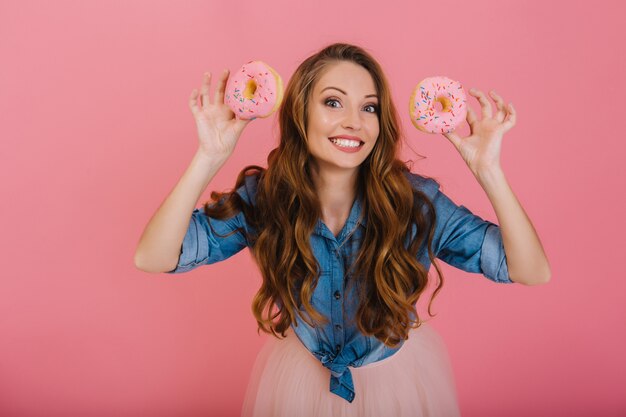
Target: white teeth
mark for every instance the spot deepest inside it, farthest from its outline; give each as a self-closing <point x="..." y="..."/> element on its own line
<point x="346" y="142"/>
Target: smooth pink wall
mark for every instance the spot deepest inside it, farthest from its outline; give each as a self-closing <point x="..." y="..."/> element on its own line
<point x="95" y="132"/>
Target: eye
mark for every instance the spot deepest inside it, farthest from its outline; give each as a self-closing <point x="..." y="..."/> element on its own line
<point x="373" y="106"/>
<point x="330" y="100"/>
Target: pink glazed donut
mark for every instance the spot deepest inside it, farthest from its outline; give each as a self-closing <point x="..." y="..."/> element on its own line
<point x="256" y="90"/>
<point x="449" y="93"/>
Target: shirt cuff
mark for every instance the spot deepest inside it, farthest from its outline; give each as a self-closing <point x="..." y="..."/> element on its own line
<point x="194" y="249"/>
<point x="493" y="258"/>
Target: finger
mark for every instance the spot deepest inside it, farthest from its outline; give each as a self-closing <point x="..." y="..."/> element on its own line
<point x="511" y="118"/>
<point x="206" y="84"/>
<point x="500" y="105"/>
<point x="193" y="101"/>
<point x="219" y="93"/>
<point x="471" y="118"/>
<point x="484" y="103"/>
<point x="241" y="123"/>
<point x="454" y="138"/>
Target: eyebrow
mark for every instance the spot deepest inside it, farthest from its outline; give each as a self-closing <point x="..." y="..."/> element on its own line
<point x="344" y="93"/>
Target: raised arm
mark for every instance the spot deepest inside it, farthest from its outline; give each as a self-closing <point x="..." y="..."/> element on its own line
<point x="160" y="244"/>
<point x="526" y="259"/>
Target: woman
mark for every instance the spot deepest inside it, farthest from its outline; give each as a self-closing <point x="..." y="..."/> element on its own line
<point x="344" y="236"/>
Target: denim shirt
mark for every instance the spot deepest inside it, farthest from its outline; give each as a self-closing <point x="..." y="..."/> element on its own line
<point x="461" y="239"/>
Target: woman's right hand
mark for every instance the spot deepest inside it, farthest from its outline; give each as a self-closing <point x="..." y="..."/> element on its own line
<point x="218" y="127"/>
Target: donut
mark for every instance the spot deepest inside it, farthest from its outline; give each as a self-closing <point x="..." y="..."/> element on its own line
<point x="255" y="90"/>
<point x="426" y="117"/>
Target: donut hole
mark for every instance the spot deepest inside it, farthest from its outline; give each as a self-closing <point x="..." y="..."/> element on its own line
<point x="250" y="89"/>
<point x="442" y="104"/>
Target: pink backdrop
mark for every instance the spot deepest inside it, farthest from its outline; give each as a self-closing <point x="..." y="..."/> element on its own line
<point x="96" y="132"/>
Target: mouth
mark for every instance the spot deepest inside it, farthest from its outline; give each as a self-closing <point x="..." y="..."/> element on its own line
<point x="354" y="143"/>
<point x="347" y="145"/>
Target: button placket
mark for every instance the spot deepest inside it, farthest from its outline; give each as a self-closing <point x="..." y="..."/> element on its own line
<point x="337" y="316"/>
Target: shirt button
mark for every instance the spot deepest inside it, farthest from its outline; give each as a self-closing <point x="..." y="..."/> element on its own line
<point x="338" y="348"/>
<point x="337" y="295"/>
<point x="338" y="326"/>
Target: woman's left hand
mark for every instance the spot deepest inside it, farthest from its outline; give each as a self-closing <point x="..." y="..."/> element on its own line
<point x="481" y="149"/>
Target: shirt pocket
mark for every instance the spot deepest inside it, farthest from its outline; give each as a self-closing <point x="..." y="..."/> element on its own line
<point x="322" y="297"/>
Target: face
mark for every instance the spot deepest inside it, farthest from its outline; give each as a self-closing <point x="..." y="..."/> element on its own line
<point x="343" y="103"/>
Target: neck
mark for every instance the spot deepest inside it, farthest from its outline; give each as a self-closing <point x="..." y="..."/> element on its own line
<point x="336" y="189"/>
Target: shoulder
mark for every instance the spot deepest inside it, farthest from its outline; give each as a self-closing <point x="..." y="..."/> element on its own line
<point x="249" y="188"/>
<point x="427" y="185"/>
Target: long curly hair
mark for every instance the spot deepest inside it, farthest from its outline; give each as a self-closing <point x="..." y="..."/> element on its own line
<point x="287" y="208"/>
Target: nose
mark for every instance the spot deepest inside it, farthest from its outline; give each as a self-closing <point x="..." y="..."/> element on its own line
<point x="352" y="119"/>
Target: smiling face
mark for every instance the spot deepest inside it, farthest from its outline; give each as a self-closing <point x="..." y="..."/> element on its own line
<point x="343" y="103"/>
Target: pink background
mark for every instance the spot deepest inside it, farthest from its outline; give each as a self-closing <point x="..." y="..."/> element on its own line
<point x="96" y="132"/>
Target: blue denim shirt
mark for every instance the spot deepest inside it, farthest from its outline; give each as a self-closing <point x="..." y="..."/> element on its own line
<point x="461" y="239"/>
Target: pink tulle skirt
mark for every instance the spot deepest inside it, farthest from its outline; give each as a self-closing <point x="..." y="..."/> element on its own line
<point x="287" y="380"/>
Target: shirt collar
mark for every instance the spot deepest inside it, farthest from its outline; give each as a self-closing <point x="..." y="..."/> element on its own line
<point x="353" y="220"/>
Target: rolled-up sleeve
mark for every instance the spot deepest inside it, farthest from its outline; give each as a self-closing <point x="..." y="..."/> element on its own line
<point x="210" y="240"/>
<point x="202" y="246"/>
<point x="468" y="242"/>
<point x="465" y="240"/>
<point x="493" y="257"/>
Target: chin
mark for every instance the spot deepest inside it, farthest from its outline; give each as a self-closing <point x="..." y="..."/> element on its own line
<point x="344" y="164"/>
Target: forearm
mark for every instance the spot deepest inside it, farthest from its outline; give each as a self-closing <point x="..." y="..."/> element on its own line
<point x="526" y="260"/>
<point x="159" y="246"/>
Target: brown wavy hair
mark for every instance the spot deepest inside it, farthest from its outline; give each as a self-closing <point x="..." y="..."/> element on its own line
<point x="390" y="278"/>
